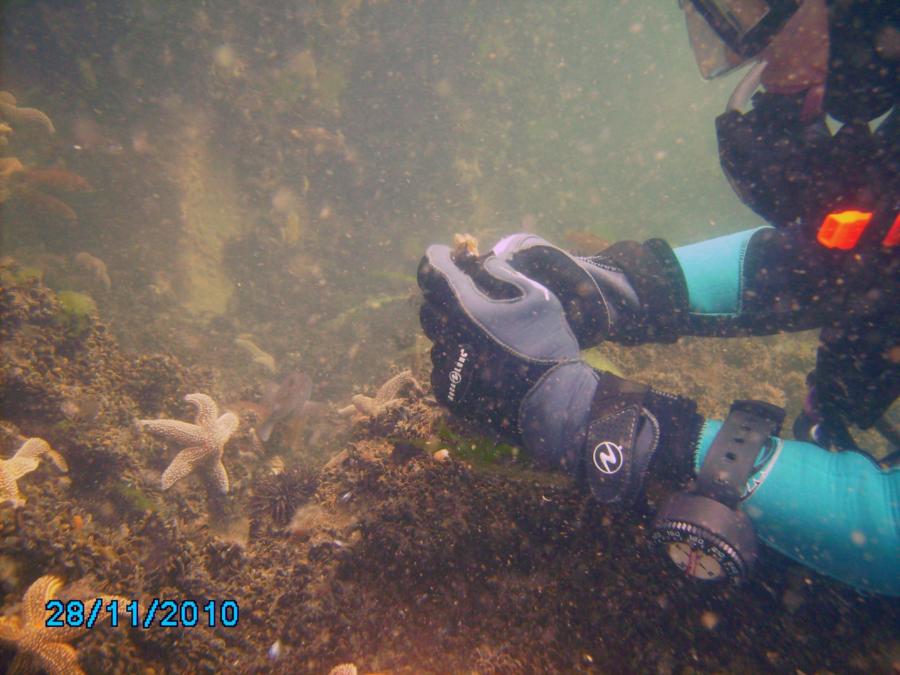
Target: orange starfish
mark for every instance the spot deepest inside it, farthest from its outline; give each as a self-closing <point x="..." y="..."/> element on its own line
<point x="37" y="645"/>
<point x="25" y="461"/>
<point x="205" y="439"/>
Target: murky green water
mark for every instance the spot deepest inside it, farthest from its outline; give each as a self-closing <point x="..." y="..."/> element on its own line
<point x="279" y="165"/>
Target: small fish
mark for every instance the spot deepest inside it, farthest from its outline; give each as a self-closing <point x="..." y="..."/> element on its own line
<point x="283" y="401"/>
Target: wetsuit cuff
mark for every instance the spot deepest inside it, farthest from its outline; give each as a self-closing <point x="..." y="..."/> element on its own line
<point x="680" y="431"/>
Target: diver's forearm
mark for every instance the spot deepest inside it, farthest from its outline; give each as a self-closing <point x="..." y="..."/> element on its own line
<point x="838" y="513"/>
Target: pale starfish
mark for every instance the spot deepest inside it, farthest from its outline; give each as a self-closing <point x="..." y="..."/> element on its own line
<point x="344" y="669"/>
<point x="205" y="439"/>
<point x="26" y="460"/>
<point x="40" y="646"/>
<point x="387" y="397"/>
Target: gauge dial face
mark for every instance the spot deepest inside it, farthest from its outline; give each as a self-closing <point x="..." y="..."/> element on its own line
<point x="705" y="539"/>
<point x="695" y="562"/>
<point x="699" y="553"/>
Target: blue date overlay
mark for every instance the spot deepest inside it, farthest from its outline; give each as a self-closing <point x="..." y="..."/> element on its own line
<point x="162" y="613"/>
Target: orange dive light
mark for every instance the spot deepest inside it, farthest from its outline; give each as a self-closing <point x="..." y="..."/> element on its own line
<point x="842" y="229"/>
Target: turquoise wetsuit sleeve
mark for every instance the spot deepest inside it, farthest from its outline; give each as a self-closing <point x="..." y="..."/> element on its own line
<point x="836" y="512"/>
<point x="714" y="273"/>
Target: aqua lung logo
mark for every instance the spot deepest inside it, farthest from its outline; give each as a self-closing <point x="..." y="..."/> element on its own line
<point x="456" y="373"/>
<point x="608" y="457"/>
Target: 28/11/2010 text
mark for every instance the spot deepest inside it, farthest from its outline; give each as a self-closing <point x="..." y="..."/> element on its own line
<point x="163" y="613"/>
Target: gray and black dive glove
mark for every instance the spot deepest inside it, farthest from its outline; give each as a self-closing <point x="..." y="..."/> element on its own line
<point x="629" y="293"/>
<point x="505" y="356"/>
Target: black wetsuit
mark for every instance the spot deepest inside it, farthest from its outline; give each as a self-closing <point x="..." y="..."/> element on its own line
<point x="793" y="174"/>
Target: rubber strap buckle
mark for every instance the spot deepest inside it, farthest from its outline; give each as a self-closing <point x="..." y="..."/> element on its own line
<point x="734" y="450"/>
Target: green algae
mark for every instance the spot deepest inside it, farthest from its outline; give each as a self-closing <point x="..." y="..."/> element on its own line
<point x="76" y="312"/>
<point x="595" y="358"/>
<point x="480" y="451"/>
<point x="133" y="498"/>
<point x="489" y="455"/>
<point x="20" y="275"/>
<point x="27" y="274"/>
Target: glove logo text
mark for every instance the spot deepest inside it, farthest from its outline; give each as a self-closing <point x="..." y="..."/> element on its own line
<point x="608" y="457"/>
<point x="456" y="373"/>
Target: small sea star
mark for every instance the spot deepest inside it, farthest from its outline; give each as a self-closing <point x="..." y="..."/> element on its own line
<point x="344" y="669"/>
<point x="387" y="398"/>
<point x="205" y="439"/>
<point x="37" y="644"/>
<point x="25" y="461"/>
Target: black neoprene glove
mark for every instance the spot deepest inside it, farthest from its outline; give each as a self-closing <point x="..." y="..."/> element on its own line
<point x="629" y="293"/>
<point x="505" y="356"/>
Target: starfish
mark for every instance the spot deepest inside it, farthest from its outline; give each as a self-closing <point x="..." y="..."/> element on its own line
<point x="25" y="461"/>
<point x="344" y="669"/>
<point x="205" y="439"/>
<point x="37" y="644"/>
<point x="387" y="397"/>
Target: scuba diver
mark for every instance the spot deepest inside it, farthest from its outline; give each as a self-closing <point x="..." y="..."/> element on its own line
<point x="507" y="327"/>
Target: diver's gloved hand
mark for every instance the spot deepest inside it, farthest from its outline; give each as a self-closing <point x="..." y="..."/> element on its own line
<point x="504" y="355"/>
<point x="630" y="292"/>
